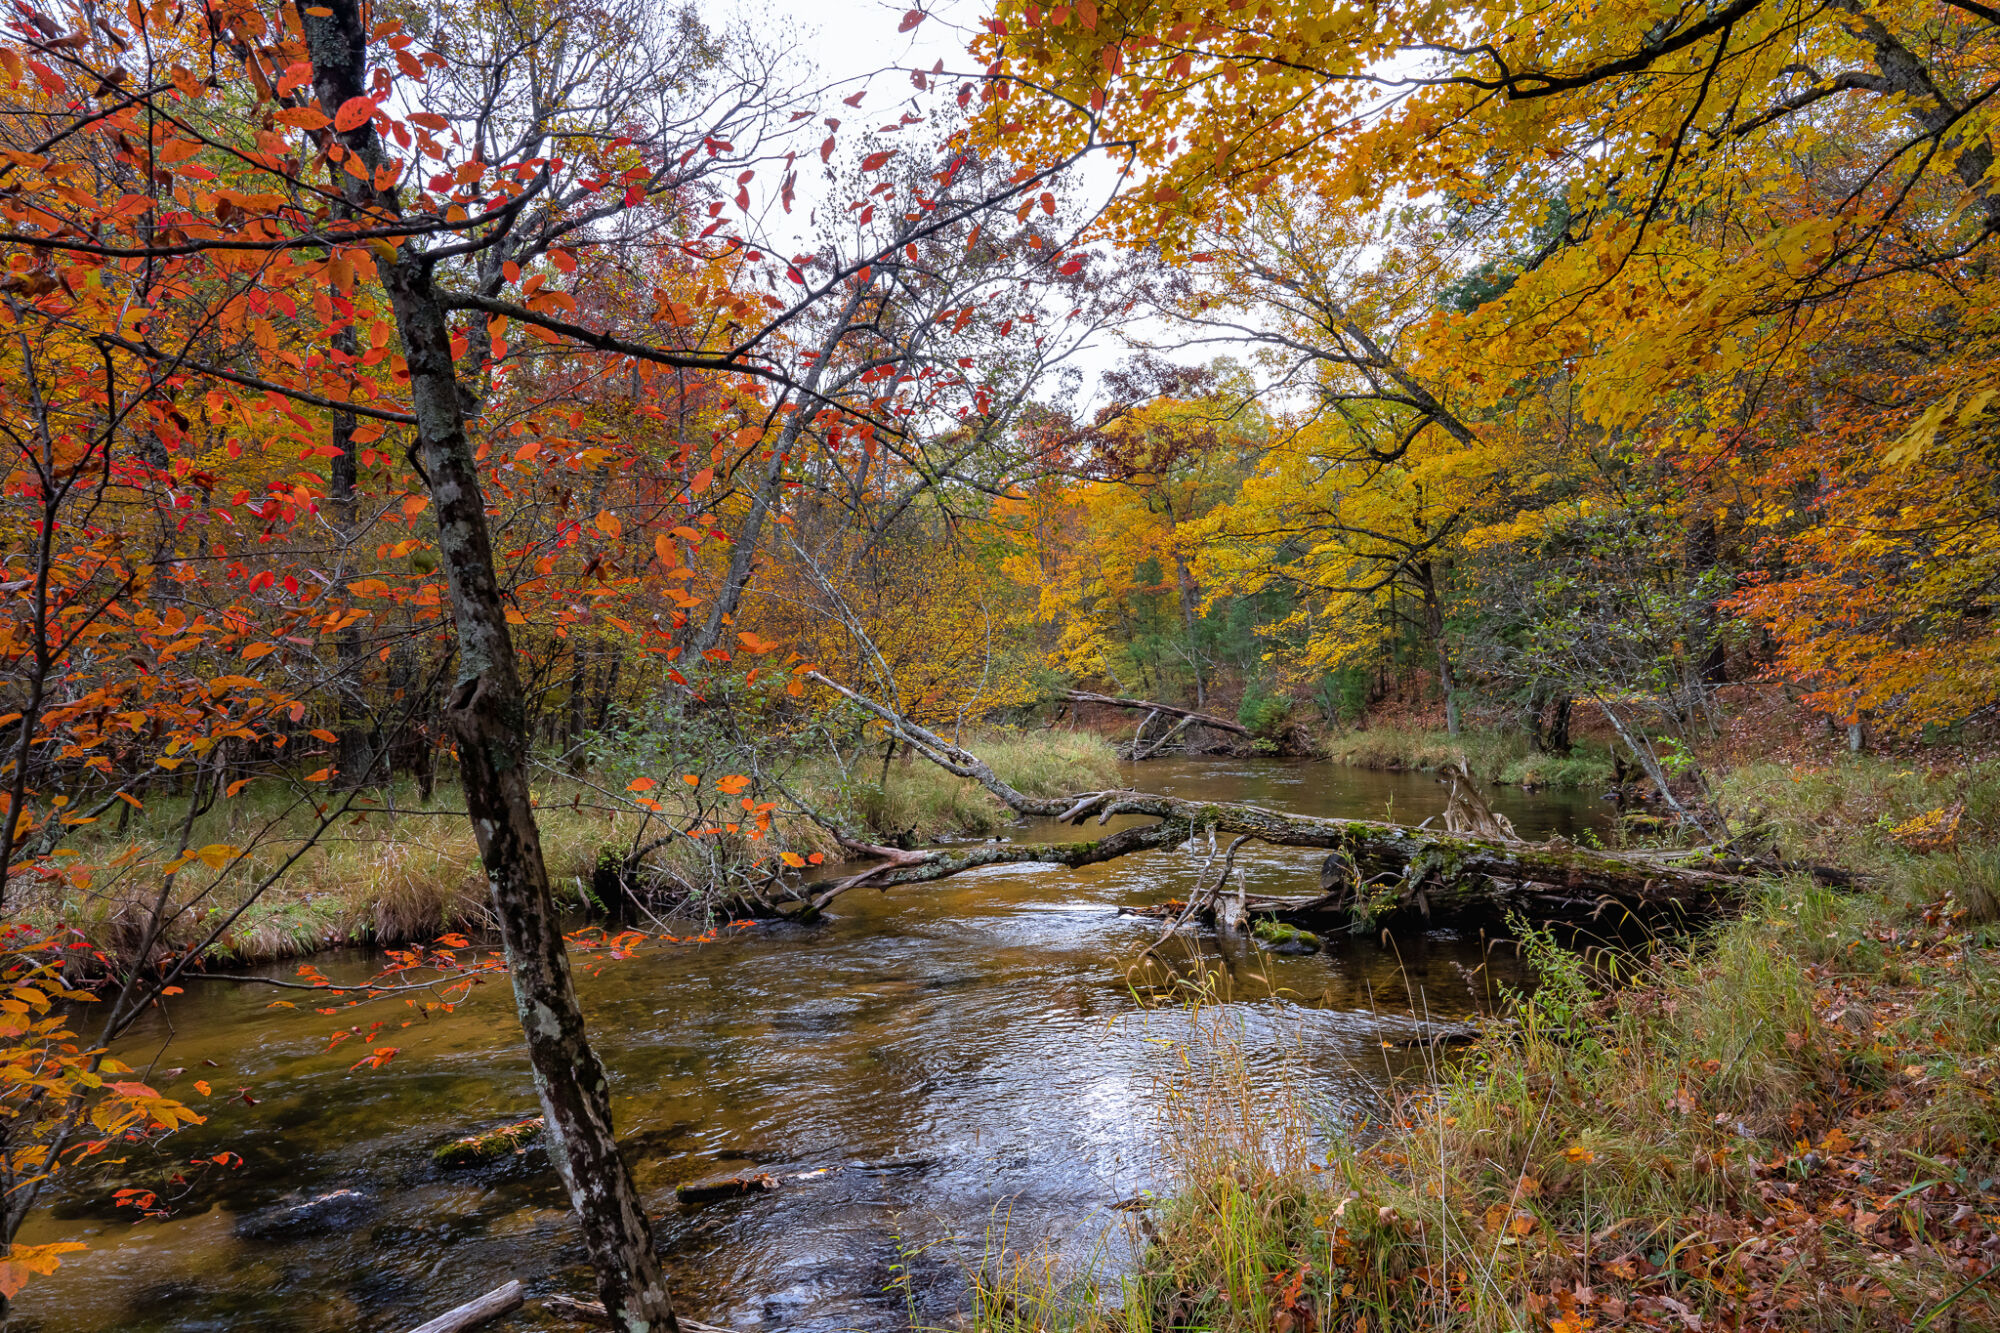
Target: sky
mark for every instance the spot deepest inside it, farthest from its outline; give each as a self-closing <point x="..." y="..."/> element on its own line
<point x="848" y="41"/>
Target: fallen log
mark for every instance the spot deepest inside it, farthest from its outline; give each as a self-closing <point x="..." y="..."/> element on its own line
<point x="1199" y="719"/>
<point x="1375" y="874"/>
<point x="725" y="1187"/>
<point x="472" y="1314"/>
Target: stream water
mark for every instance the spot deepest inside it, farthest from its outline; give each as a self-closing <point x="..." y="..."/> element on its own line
<point x="969" y="1053"/>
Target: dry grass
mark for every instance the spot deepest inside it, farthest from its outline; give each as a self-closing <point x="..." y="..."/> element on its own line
<point x="1494" y="756"/>
<point x="409" y="873"/>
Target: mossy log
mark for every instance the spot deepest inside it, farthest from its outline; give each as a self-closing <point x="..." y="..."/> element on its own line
<point x="479" y="1149"/>
<point x="1374" y="873"/>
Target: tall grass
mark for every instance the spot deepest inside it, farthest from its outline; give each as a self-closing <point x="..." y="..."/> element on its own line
<point x="1493" y="756"/>
<point x="405" y="872"/>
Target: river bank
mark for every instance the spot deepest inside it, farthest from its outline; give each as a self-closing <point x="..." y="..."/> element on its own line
<point x="408" y="871"/>
<point x="1791" y="1121"/>
<point x="1505" y="757"/>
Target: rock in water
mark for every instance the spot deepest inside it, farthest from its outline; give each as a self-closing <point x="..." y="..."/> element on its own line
<point x="337" y="1210"/>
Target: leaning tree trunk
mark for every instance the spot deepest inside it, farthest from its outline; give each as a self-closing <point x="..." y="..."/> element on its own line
<point x="488" y="711"/>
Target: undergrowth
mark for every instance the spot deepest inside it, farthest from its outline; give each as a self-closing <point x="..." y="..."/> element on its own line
<point x="1792" y="1123"/>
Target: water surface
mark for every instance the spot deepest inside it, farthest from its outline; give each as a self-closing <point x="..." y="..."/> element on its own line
<point x="970" y="1053"/>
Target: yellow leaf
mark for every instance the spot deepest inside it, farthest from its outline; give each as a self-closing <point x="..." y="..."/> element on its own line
<point x="23" y="1260"/>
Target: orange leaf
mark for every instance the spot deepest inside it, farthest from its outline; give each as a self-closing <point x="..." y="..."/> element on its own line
<point x="301" y="117"/>
<point x="353" y="114"/>
<point x="641" y="784"/>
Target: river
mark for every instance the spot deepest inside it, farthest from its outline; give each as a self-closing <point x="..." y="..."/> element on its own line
<point x="969" y="1053"/>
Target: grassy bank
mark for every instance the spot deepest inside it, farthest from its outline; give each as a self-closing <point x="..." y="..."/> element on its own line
<point x="1493" y="756"/>
<point x="1792" y="1122"/>
<point x="408" y="872"/>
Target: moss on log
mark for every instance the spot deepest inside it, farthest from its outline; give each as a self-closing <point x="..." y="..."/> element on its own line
<point x="479" y="1149"/>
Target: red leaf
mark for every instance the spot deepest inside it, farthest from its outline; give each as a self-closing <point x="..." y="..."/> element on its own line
<point x="911" y="20"/>
<point x="875" y="161"/>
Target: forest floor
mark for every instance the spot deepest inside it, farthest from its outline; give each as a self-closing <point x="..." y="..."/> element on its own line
<point x="409" y="872"/>
<point x="1790" y="1120"/>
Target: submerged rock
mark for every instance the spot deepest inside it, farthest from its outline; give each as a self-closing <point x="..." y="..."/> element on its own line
<point x="1281" y="938"/>
<point x="479" y="1149"/>
<point x="336" y="1210"/>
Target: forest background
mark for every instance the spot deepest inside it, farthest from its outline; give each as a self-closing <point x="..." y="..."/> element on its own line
<point x="480" y="383"/>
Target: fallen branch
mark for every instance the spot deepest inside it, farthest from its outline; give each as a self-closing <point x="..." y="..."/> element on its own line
<point x="1200" y="719"/>
<point x="1375" y="873"/>
<point x="473" y="1313"/>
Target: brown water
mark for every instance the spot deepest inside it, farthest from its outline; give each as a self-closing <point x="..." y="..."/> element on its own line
<point x="970" y="1053"/>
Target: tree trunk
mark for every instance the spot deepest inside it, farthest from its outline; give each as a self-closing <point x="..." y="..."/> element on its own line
<point x="1434" y="628"/>
<point x="487" y="711"/>
<point x="743" y="553"/>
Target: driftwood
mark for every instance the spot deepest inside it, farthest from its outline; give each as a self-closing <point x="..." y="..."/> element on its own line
<point x="1199" y="719"/>
<point x="1374" y="873"/>
<point x="1466" y="811"/>
<point x="472" y="1314"/>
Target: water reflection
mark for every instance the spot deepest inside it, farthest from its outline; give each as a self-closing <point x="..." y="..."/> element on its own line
<point x="965" y="1052"/>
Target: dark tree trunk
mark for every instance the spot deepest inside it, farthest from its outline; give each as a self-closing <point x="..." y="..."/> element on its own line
<point x="487" y="712"/>
<point x="1704" y="551"/>
<point x="1434" y="630"/>
<point x="1549" y="710"/>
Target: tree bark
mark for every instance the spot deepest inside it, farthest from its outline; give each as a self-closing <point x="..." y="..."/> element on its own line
<point x="487" y="711"/>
